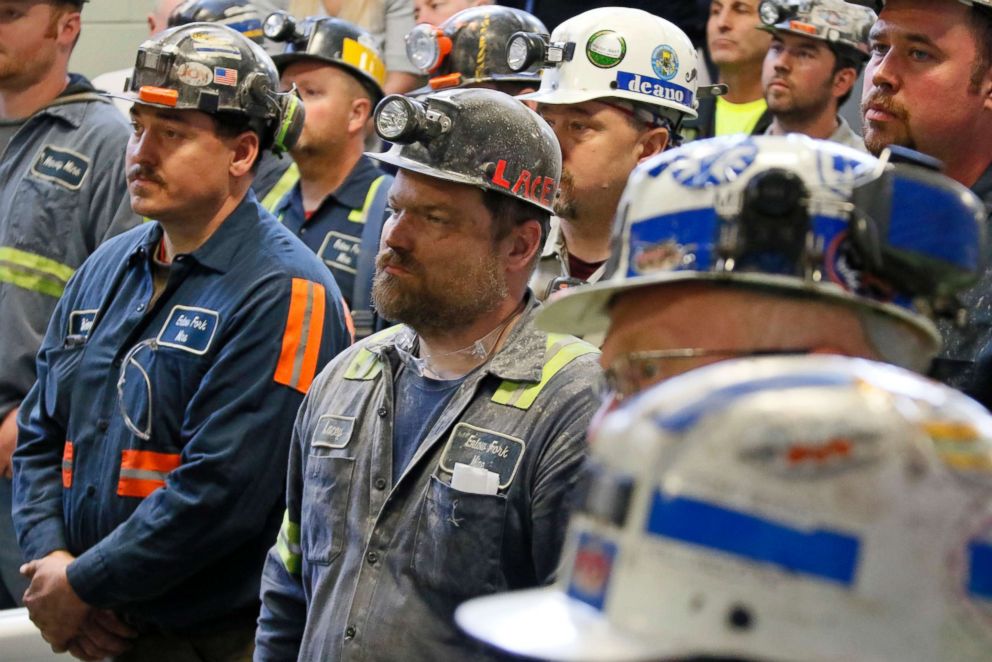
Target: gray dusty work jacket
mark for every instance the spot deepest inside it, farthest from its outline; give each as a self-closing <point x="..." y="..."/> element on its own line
<point x="365" y="569"/>
<point x="62" y="192"/>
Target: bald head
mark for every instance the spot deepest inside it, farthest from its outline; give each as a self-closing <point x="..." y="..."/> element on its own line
<point x="158" y="18"/>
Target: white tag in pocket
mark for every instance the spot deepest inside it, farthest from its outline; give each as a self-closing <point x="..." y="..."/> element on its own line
<point x="474" y="480"/>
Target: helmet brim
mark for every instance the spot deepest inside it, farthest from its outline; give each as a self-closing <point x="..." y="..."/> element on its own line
<point x="566" y="97"/>
<point x="546" y="624"/>
<point x="584" y="310"/>
<point x="285" y="59"/>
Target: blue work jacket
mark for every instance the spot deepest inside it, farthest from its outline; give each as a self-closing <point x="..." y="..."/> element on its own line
<point x="154" y="444"/>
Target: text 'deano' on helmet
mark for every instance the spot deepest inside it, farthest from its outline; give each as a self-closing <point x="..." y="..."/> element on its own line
<point x="794" y="214"/>
<point x="216" y="70"/>
<point x="473" y="136"/>
<point x="470" y="47"/>
<point x="612" y="52"/>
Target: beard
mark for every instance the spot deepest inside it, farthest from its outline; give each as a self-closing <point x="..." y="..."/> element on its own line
<point x="564" y="204"/>
<point x="20" y="72"/>
<point x="448" y="295"/>
<point x="894" y="133"/>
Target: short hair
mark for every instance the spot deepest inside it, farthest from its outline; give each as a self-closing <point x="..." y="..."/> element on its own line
<point x="846" y="57"/>
<point x="508" y="212"/>
<point x="231" y="125"/>
<point x="981" y="25"/>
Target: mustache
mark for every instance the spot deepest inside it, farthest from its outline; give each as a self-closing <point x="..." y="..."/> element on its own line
<point x="144" y="172"/>
<point x="884" y="103"/>
<point x="388" y="257"/>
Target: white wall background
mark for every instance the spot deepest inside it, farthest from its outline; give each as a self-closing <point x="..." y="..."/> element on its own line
<point x="112" y="30"/>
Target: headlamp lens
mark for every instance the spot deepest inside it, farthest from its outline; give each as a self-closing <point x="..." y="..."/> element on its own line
<point x="393" y="119"/>
<point x="517" y="52"/>
<point x="278" y="25"/>
<point x="768" y="11"/>
<point x="422" y="48"/>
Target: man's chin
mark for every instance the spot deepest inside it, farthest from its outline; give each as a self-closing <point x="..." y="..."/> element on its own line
<point x="876" y="141"/>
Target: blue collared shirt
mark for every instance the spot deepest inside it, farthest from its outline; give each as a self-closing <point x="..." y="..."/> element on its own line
<point x="171" y="530"/>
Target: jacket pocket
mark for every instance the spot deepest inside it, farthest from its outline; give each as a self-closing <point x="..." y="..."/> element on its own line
<point x="459" y="541"/>
<point x="62" y="365"/>
<point x="324" y="513"/>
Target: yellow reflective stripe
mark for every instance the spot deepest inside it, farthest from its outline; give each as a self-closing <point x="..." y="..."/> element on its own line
<point x="33" y="272"/>
<point x="366" y="365"/>
<point x="286" y="182"/>
<point x="561" y="350"/>
<point x="358" y="215"/>
<point x="288" y="545"/>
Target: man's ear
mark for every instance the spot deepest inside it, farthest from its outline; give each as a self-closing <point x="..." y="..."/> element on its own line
<point x="522" y="244"/>
<point x="844" y="80"/>
<point x="986" y="88"/>
<point x="653" y="141"/>
<point x="246" y="147"/>
<point x="361" y="113"/>
<point x="67" y="29"/>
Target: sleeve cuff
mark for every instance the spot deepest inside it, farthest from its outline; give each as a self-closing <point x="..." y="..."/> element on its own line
<point x="44" y="538"/>
<point x="88" y="574"/>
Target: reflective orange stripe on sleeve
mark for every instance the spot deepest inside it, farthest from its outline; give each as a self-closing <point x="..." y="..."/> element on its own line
<point x="143" y="472"/>
<point x="67" y="465"/>
<point x="301" y="341"/>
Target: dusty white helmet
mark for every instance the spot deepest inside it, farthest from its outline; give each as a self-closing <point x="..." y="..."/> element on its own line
<point x="611" y="52"/>
<point x="788" y="213"/>
<point x="802" y="508"/>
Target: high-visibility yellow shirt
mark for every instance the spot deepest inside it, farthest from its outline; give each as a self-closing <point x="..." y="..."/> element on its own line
<point x="734" y="118"/>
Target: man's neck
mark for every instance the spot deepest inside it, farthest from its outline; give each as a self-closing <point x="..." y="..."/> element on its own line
<point x="821" y="126"/>
<point x="21" y="102"/>
<point x="588" y="239"/>
<point x="447" y="352"/>
<point x="743" y="83"/>
<point x="322" y="174"/>
<point x="969" y="165"/>
<point x="187" y="233"/>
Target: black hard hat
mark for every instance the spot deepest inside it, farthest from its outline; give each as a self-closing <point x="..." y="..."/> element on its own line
<point x="478" y="137"/>
<point x="329" y="40"/>
<point x="236" y="14"/>
<point x="470" y="47"/>
<point x="216" y="70"/>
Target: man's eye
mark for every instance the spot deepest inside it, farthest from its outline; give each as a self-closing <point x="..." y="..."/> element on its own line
<point x="919" y="56"/>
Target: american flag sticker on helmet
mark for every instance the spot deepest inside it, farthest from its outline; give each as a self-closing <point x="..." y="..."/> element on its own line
<point x="225" y="76"/>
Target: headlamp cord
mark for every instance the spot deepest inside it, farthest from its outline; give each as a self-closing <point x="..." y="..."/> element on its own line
<point x="477" y="348"/>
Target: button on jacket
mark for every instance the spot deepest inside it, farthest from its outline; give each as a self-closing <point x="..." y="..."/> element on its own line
<point x="365" y="569"/>
<point x="62" y="192"/>
<point x="154" y="444"/>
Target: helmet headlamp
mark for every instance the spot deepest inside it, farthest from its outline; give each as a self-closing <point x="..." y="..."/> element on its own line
<point x="426" y="47"/>
<point x="530" y="50"/>
<point x="772" y="11"/>
<point x="281" y="26"/>
<point x="402" y="120"/>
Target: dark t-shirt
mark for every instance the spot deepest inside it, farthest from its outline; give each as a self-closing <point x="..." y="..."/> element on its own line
<point x="419" y="401"/>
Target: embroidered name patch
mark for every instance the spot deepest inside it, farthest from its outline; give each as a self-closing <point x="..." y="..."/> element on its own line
<point x="333" y="431"/>
<point x="485" y="449"/>
<point x="340" y="251"/>
<point x="80" y="322"/>
<point x="189" y="329"/>
<point x="61" y="166"/>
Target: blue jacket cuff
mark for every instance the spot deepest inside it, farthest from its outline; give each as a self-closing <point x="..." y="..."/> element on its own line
<point x="44" y="538"/>
<point x="86" y="575"/>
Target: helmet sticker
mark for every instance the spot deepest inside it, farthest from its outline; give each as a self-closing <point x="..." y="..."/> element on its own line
<point x="226" y="76"/>
<point x="716" y="169"/>
<point x="591" y="570"/>
<point x="653" y="87"/>
<point x="538" y="189"/>
<point x="205" y="42"/>
<point x="364" y="59"/>
<point x="665" y="62"/>
<point x="194" y="73"/>
<point x="606" y="49"/>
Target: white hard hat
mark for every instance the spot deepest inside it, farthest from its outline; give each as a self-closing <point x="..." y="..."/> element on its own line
<point x="805" y="508"/>
<point x="612" y="52"/>
<point x="788" y="213"/>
